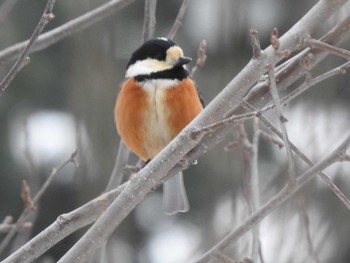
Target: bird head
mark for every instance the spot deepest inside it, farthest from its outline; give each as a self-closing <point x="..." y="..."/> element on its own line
<point x="158" y="58"/>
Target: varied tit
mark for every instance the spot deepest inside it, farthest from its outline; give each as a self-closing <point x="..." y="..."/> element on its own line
<point x="156" y="101"/>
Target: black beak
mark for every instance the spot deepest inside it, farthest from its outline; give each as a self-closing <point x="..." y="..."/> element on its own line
<point x="182" y="61"/>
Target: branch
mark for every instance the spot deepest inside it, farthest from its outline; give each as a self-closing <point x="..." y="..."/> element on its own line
<point x="80" y="23"/>
<point x="283" y="195"/>
<point x="46" y="17"/>
<point x="34" y="202"/>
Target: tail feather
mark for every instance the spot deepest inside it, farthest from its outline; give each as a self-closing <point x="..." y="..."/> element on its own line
<point x="174" y="195"/>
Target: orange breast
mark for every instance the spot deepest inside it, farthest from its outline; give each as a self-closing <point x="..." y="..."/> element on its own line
<point x="184" y="104"/>
<point x="148" y="118"/>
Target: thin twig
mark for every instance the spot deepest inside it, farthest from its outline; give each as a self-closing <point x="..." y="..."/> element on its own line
<point x="282" y="121"/>
<point x="35" y="201"/>
<point x="75" y="25"/>
<point x="46" y="17"/>
<point x="314" y="43"/>
<point x="178" y="20"/>
<point x="149" y="20"/>
<point x="276" y="201"/>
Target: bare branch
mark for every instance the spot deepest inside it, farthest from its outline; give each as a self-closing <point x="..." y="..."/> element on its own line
<point x="46" y="17"/>
<point x="178" y="20"/>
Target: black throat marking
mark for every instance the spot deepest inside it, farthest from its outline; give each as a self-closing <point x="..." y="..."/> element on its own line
<point x="178" y="73"/>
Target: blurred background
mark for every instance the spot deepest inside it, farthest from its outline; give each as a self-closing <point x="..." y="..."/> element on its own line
<point x="64" y="99"/>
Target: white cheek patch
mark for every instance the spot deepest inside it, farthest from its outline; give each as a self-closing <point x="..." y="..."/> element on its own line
<point x="146" y="67"/>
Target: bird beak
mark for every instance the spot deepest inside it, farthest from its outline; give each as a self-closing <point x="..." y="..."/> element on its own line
<point x="182" y="61"/>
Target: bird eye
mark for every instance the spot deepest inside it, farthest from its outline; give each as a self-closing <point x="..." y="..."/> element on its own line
<point x="158" y="56"/>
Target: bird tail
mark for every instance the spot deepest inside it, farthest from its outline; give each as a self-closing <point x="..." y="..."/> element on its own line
<point x="174" y="195"/>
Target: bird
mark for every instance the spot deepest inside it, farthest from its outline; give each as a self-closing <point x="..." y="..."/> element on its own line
<point x="156" y="101"/>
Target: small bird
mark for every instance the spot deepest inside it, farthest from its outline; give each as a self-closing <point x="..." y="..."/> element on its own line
<point x="156" y="101"/>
